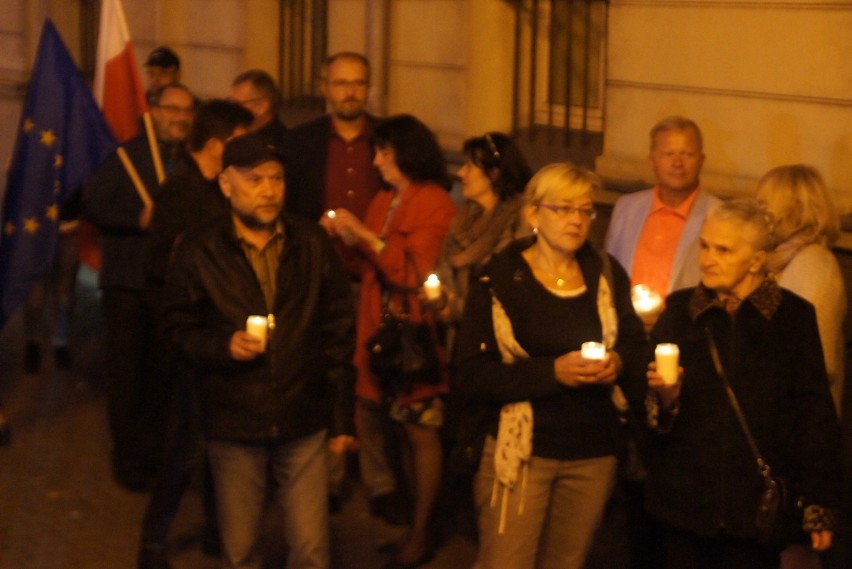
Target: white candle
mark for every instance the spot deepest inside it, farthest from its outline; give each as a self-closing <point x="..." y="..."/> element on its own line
<point x="646" y="302"/>
<point x="667" y="356"/>
<point x="432" y="287"/>
<point x="593" y="351"/>
<point x="331" y="214"/>
<point x="257" y="326"/>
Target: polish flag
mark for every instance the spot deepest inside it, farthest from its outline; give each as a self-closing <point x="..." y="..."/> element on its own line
<point x="119" y="92"/>
<point x="118" y="84"/>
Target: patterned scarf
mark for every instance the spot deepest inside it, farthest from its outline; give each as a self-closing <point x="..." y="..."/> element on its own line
<point x="514" y="433"/>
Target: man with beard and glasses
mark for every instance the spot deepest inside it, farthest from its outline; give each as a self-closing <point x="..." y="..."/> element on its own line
<point x="119" y="200"/>
<point x="330" y="166"/>
<point x="268" y="408"/>
<point x="257" y="92"/>
<point x="330" y="159"/>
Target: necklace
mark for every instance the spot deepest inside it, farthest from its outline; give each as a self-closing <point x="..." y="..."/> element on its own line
<point x="561" y="280"/>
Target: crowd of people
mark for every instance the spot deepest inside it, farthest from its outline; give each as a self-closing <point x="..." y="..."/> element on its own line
<point x="247" y="267"/>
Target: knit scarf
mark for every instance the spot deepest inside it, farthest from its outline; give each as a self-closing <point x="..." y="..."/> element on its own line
<point x="784" y="252"/>
<point x="475" y="235"/>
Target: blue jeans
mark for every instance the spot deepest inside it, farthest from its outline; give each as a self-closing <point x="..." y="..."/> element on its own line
<point x="241" y="475"/>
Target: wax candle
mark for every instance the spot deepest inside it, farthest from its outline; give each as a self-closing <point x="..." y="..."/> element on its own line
<point x="432" y="287"/>
<point x="646" y="301"/>
<point x="258" y="327"/>
<point x="667" y="356"/>
<point x="593" y="351"/>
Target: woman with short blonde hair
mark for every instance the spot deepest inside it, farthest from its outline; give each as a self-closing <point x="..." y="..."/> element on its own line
<point x="797" y="196"/>
<point x="549" y="460"/>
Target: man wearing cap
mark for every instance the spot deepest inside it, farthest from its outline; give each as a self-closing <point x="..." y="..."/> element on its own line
<point x="190" y="195"/>
<point x="268" y="406"/>
<point x="161" y="68"/>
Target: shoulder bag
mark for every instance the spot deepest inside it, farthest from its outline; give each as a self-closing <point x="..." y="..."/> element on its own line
<point x="401" y="352"/>
<point x="780" y="512"/>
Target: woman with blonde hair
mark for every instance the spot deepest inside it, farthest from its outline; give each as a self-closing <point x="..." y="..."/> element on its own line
<point x="806" y="226"/>
<point x="549" y="461"/>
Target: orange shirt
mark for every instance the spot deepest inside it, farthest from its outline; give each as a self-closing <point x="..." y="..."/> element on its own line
<point x="658" y="243"/>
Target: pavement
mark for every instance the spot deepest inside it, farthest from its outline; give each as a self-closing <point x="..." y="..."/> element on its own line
<point x="59" y="507"/>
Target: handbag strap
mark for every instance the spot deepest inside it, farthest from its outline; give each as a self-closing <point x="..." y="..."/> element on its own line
<point x="765" y="469"/>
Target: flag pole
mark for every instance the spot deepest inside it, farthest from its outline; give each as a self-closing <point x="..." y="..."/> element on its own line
<point x="134" y="177"/>
<point x="155" y="148"/>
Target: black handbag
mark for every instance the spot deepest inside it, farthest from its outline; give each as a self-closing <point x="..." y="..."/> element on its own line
<point x="401" y="352"/>
<point x="780" y="512"/>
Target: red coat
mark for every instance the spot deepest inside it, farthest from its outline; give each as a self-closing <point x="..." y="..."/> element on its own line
<point x="418" y="226"/>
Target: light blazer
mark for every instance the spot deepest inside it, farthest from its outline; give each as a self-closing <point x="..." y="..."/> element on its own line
<point x="628" y="219"/>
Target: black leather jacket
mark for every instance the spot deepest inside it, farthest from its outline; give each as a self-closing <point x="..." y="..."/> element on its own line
<point x="304" y="381"/>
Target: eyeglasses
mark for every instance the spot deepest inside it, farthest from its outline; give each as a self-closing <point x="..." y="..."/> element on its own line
<point x="176" y="110"/>
<point x="245" y="102"/>
<point x="587" y="213"/>
<point x="355" y="83"/>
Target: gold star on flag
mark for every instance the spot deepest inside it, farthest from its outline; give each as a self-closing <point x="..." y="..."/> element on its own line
<point x="52" y="212"/>
<point x="31" y="226"/>
<point x="58" y="161"/>
<point x="48" y="138"/>
<point x="9" y="228"/>
<point x="28" y="126"/>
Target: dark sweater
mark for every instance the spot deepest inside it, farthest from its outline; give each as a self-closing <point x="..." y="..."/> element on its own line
<point x="569" y="423"/>
<point x="187" y="198"/>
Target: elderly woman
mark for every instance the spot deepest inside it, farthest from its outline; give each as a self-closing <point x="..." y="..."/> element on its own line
<point x="493" y="177"/>
<point x="806" y="226"/>
<point x="703" y="481"/>
<point x="395" y="246"/>
<point x="549" y="463"/>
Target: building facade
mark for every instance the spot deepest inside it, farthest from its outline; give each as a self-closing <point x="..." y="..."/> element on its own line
<point x="770" y="82"/>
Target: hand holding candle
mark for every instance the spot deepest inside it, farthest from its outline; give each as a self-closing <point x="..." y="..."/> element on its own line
<point x="593" y="351"/>
<point x="667" y="356"/>
<point x="257" y="327"/>
<point x="432" y="287"/>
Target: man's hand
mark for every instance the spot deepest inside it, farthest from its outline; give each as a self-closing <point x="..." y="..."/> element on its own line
<point x="821" y="540"/>
<point x="341" y="444"/>
<point x="243" y="347"/>
<point x="326" y="221"/>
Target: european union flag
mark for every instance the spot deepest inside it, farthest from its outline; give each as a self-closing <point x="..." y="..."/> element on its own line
<point x="61" y="140"/>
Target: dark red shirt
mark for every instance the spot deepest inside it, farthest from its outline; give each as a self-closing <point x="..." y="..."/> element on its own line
<point x="351" y="180"/>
